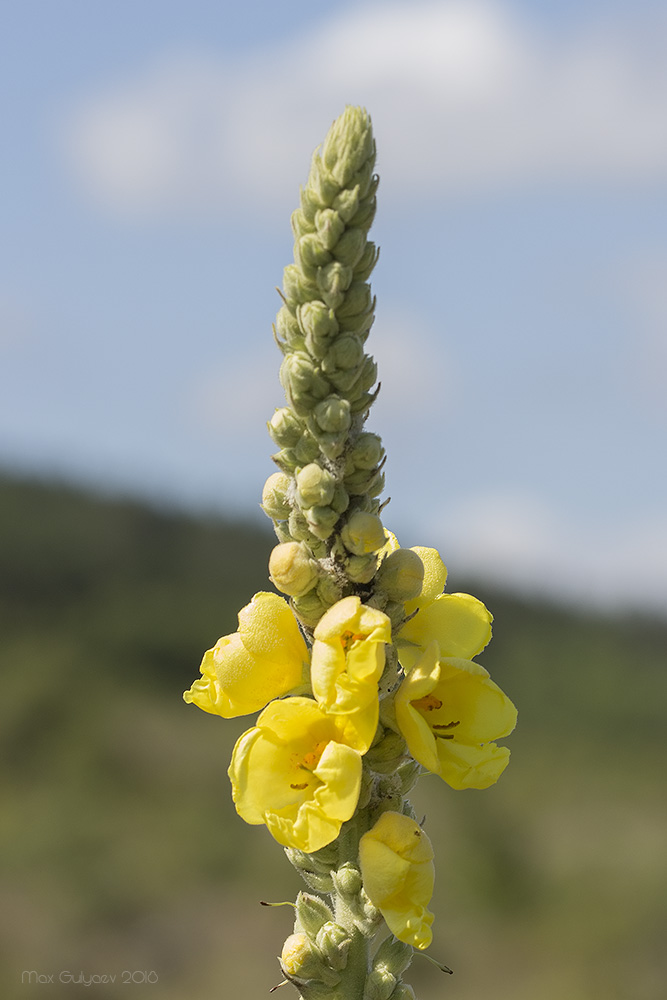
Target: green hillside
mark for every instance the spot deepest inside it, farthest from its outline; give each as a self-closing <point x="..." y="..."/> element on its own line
<point x="122" y="853"/>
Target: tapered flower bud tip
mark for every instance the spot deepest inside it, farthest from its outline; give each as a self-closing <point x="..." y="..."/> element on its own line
<point x="291" y="569"/>
<point x="401" y="575"/>
<point x="363" y="533"/>
<point x="349" y="144"/>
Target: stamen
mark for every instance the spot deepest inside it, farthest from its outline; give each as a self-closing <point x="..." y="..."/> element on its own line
<point x="446" y="725"/>
<point x="429" y="703"/>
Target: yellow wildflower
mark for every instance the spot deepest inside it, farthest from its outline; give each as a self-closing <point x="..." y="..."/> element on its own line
<point x="449" y="710"/>
<point x="296" y="772"/>
<point x="396" y="860"/>
<point x="348" y="658"/>
<point x="459" y="623"/>
<point x="265" y="659"/>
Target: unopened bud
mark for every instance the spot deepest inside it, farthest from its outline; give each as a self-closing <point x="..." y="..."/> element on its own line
<point x="311" y="913"/>
<point x="345" y="353"/>
<point x="361" y="569"/>
<point x="321" y="520"/>
<point x="330" y="227"/>
<point x="291" y="569"/>
<point x="363" y="533"/>
<point x="285" y="427"/>
<point x="394" y="956"/>
<point x="315" y="486"/>
<point x="367" y="452"/>
<point x="401" y="575"/>
<point x="333" y="280"/>
<point x="309" y="252"/>
<point x="274" y="496"/>
<point x="379" y="985"/>
<point x="333" y="942"/>
<point x="333" y="415"/>
<point x="297" y="287"/>
<point x="310" y="609"/>
<point x="347" y="880"/>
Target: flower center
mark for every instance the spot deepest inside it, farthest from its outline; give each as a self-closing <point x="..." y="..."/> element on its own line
<point x="308" y="762"/>
<point x="429" y="703"/>
<point x="347" y="638"/>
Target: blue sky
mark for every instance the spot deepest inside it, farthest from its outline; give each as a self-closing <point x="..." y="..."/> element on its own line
<point x="152" y="155"/>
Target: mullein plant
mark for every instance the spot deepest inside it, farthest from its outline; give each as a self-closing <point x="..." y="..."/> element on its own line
<point x="364" y="674"/>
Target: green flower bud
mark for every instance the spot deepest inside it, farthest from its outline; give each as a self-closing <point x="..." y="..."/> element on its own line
<point x="341" y="499"/>
<point x="346" y="203"/>
<point x="388" y="754"/>
<point x="297" y="287"/>
<point x="394" y="956"/>
<point x="358" y="298"/>
<point x="330" y="226"/>
<point x="311" y="913"/>
<point x="379" y="985"/>
<point x="362" y="271"/>
<point x="315" y="486"/>
<point x="302" y="383"/>
<point x="333" y="281"/>
<point x="363" y="533"/>
<point x="282" y="531"/>
<point x="319" y="325"/>
<point x="367" y="452"/>
<point x="345" y="353"/>
<point x="333" y="942"/>
<point x="285" y="427"/>
<point x="288" y="328"/>
<point x="292" y="570"/>
<point x="309" y="252"/>
<point x="351" y="246"/>
<point x="274" y="496"/>
<point x="310" y="609"/>
<point x="361" y="569"/>
<point x="403" y="991"/>
<point x="285" y="459"/>
<point x="333" y="415"/>
<point x="298" y="526"/>
<point x="347" y="880"/>
<point x="401" y="575"/>
<point x="328" y="590"/>
<point x="321" y="187"/>
<point x="321" y="520"/>
<point x="349" y="145"/>
<point x="307" y="449"/>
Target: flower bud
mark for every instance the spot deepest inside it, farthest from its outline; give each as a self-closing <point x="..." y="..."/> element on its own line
<point x="307" y="449"/>
<point x="341" y="499"/>
<point x="386" y="755"/>
<point x="288" y="328"/>
<point x="319" y="325"/>
<point x="346" y="203"/>
<point x="321" y="520"/>
<point x="298" y="959"/>
<point x="291" y="569"/>
<point x="309" y="252"/>
<point x="401" y="575"/>
<point x="403" y="991"/>
<point x="363" y="533"/>
<point x="302" y="383"/>
<point x="285" y="427"/>
<point x="321" y="186"/>
<point x="361" y="569"/>
<point x="358" y="299"/>
<point x="315" y="486"/>
<point x="328" y="590"/>
<point x="274" y="496"/>
<point x="310" y="609"/>
<point x="367" y="452"/>
<point x="333" y="943"/>
<point x="345" y="353"/>
<point x="347" y="880"/>
<point x="333" y="280"/>
<point x="297" y="287"/>
<point x="330" y="226"/>
<point x="379" y="985"/>
<point x="311" y="913"/>
<point x="362" y="271"/>
<point x="351" y="246"/>
<point x="333" y="415"/>
<point x="394" y="956"/>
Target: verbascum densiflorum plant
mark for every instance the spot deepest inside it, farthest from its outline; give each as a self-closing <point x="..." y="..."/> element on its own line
<point x="364" y="673"/>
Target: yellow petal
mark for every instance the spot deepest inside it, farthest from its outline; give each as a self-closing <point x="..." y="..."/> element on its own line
<point x="268" y="629"/>
<point x="435" y="577"/>
<point x="464" y="766"/>
<point x="459" y="623"/>
<point x="396" y="859"/>
<point x="482" y="709"/>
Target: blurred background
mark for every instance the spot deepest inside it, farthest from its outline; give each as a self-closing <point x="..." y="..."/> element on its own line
<point x="152" y="155"/>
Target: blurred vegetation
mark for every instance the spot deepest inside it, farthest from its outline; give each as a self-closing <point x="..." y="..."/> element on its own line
<point x="121" y="849"/>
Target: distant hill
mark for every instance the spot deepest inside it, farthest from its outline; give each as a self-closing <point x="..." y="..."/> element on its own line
<point x="119" y="842"/>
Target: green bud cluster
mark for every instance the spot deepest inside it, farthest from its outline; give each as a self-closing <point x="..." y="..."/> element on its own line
<point x="325" y="496"/>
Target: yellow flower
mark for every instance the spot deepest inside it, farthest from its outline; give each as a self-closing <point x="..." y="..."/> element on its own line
<point x="347" y="662"/>
<point x="449" y="710"/>
<point x="296" y="772"/>
<point x="396" y="860"/>
<point x="265" y="659"/>
<point x="459" y="623"/>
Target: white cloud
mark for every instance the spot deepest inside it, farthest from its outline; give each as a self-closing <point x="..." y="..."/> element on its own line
<point x="518" y="540"/>
<point x="465" y="95"/>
